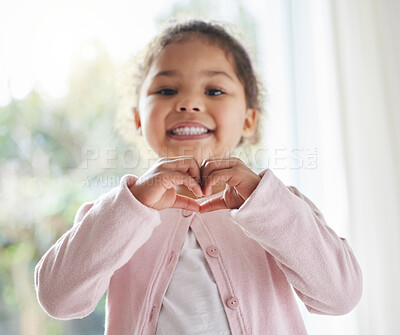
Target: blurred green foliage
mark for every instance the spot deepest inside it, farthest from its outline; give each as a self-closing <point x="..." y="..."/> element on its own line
<point x="43" y="180"/>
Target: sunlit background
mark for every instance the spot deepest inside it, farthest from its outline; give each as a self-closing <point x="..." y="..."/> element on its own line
<point x="332" y="76"/>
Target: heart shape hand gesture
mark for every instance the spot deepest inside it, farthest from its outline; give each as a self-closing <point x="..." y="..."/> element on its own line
<point x="155" y="188"/>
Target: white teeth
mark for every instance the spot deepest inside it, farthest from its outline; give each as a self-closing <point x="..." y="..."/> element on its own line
<point x="189" y="131"/>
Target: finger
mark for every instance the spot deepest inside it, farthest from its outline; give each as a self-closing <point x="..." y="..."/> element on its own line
<point x="184" y="202"/>
<point x="229" y="176"/>
<point x="170" y="179"/>
<point x="184" y="164"/>
<point x="192" y="168"/>
<point x="210" y="165"/>
<point x="213" y="205"/>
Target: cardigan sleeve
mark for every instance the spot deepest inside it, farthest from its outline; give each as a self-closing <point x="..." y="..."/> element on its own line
<point x="320" y="266"/>
<point x="75" y="272"/>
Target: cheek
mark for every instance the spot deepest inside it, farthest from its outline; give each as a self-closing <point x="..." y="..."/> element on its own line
<point x="232" y="117"/>
<point x="153" y="117"/>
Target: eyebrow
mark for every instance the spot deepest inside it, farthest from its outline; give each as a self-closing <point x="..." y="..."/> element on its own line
<point x="169" y="73"/>
<point x="173" y="73"/>
<point x="217" y="73"/>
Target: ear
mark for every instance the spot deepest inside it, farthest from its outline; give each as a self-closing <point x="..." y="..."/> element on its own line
<point x="250" y="122"/>
<point x="136" y="118"/>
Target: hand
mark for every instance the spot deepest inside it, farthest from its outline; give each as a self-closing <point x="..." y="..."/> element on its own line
<point x="155" y="188"/>
<point x="240" y="180"/>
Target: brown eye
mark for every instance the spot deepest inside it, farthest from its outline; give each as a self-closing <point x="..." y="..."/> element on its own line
<point x="167" y="91"/>
<point x="214" y="92"/>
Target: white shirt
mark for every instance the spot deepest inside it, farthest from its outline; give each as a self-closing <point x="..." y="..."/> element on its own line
<point x="192" y="304"/>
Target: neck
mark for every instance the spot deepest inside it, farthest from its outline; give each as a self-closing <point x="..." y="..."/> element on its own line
<point x="183" y="190"/>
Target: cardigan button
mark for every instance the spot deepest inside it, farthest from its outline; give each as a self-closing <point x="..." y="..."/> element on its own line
<point x="186" y="213"/>
<point x="233" y="303"/>
<point x="213" y="251"/>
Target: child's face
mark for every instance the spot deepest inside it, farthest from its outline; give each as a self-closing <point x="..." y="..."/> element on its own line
<point x="193" y="82"/>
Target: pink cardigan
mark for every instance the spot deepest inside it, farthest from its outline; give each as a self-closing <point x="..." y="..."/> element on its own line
<point x="275" y="240"/>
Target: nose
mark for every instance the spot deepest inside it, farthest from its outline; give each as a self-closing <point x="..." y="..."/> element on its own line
<point x="184" y="109"/>
<point x="189" y="104"/>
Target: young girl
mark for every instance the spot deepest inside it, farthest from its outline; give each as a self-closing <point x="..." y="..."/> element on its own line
<point x="200" y="244"/>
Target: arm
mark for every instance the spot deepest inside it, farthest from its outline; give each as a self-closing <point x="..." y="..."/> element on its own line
<point x="75" y="272"/>
<point x="319" y="265"/>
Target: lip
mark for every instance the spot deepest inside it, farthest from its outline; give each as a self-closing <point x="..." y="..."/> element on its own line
<point x="189" y="137"/>
<point x="188" y="124"/>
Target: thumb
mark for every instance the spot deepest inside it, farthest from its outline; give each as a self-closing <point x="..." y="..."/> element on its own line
<point x="213" y="205"/>
<point x="186" y="203"/>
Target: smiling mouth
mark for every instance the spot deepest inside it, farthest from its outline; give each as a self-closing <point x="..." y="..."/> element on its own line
<point x="188" y="133"/>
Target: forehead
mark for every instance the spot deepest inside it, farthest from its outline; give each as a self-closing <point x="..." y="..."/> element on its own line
<point x="193" y="54"/>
